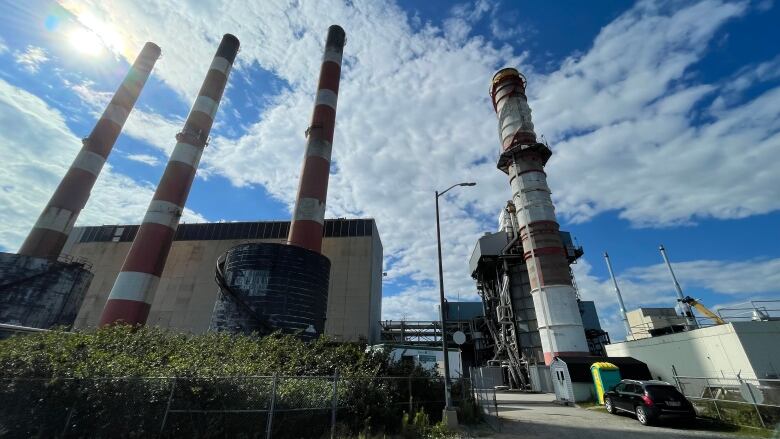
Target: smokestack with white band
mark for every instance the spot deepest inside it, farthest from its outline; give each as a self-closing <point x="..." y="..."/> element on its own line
<point x="523" y="159"/>
<point x="309" y="214"/>
<point x="134" y="288"/>
<point x="50" y="232"/>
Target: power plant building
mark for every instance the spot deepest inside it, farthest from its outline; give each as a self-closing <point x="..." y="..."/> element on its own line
<point x="188" y="292"/>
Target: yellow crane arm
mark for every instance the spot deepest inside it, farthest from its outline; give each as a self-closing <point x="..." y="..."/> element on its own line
<point x="704" y="310"/>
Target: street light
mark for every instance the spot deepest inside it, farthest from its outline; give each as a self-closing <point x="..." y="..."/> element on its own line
<point x="442" y="310"/>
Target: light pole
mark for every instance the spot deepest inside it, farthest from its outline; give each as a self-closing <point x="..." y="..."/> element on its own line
<point x="442" y="309"/>
<point x="689" y="319"/>
<point x="629" y="334"/>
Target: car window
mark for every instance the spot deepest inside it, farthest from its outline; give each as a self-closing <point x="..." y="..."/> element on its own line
<point x="662" y="392"/>
<point x="621" y="387"/>
<point x="633" y="388"/>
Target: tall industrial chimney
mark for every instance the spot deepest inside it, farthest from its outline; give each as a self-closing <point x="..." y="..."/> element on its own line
<point x="134" y="288"/>
<point x="523" y="159"/>
<point x="50" y="232"/>
<point x="309" y="214"/>
<point x="292" y="296"/>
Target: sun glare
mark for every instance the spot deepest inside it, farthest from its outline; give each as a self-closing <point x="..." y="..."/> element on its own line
<point x="86" y="41"/>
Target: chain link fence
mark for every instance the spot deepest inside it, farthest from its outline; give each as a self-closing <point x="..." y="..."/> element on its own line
<point x="248" y="406"/>
<point x="483" y="387"/>
<point x="739" y="401"/>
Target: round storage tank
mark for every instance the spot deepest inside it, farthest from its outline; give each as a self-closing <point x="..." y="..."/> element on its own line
<point x="267" y="287"/>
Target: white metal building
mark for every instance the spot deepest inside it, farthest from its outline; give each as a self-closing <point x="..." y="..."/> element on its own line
<point x="750" y="349"/>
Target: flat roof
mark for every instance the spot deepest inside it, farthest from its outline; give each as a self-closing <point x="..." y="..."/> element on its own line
<point x="334" y="228"/>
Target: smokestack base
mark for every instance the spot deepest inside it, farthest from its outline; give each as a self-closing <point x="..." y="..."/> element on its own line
<point x="292" y="296"/>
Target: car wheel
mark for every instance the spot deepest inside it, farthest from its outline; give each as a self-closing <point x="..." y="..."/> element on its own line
<point x="641" y="416"/>
<point x="608" y="405"/>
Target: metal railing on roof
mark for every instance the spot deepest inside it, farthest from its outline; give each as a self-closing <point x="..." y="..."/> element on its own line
<point x="753" y="310"/>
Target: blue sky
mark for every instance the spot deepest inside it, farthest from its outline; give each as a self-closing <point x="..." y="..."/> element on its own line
<point x="664" y="119"/>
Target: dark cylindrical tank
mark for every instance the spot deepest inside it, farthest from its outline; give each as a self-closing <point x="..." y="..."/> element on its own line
<point x="267" y="287"/>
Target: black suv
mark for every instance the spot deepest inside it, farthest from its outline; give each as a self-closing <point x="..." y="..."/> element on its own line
<point x="648" y="400"/>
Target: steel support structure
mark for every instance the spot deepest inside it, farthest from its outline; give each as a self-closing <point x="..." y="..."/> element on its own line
<point x="50" y="232"/>
<point x="134" y="289"/>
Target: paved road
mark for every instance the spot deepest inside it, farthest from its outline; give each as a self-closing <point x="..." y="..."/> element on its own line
<point x="536" y="416"/>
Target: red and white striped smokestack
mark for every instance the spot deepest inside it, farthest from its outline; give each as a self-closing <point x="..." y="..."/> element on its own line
<point x="50" y="232"/>
<point x="309" y="214"/>
<point x="523" y="158"/>
<point x="134" y="288"/>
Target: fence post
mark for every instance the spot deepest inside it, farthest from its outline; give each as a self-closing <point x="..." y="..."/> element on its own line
<point x="268" y="426"/>
<point x="495" y="405"/>
<point x="411" y="399"/>
<point x="677" y="380"/>
<point x="70" y="411"/>
<point x="167" y="407"/>
<point x="334" y="405"/>
<point x="714" y="399"/>
<point x="753" y="400"/>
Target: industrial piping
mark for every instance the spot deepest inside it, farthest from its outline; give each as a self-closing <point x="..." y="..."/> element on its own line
<point x="309" y="214"/>
<point x="50" y="232"/>
<point x="131" y="297"/>
<point x="523" y="159"/>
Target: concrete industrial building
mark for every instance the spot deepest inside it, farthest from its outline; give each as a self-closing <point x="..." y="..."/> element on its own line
<point x="187" y="291"/>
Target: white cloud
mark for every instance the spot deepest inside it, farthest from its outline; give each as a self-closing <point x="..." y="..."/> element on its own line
<point x="144" y="158"/>
<point x="623" y="118"/>
<point x="155" y="129"/>
<point x="3" y="46"/>
<point x="37" y="148"/>
<point x="32" y="58"/>
<point x="414" y="116"/>
<point x="412" y="304"/>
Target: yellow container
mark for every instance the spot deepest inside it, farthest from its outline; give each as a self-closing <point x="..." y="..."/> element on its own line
<point x="605" y="377"/>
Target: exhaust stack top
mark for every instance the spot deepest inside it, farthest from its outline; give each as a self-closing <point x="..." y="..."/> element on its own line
<point x="134" y="289"/>
<point x="309" y="213"/>
<point x="523" y="159"/>
<point x="50" y="232"/>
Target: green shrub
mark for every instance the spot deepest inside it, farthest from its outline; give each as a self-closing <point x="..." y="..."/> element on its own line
<point x="98" y="382"/>
<point x="419" y="427"/>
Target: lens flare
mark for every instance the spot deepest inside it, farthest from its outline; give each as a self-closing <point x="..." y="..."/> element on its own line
<point x="86" y="41"/>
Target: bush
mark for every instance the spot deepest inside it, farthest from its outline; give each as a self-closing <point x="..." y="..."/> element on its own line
<point x="98" y="384"/>
<point x="419" y="427"/>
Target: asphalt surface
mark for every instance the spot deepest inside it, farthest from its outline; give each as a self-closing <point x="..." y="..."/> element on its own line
<point x="526" y="415"/>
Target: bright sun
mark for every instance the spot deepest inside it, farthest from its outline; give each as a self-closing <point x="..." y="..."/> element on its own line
<point x="86" y="41"/>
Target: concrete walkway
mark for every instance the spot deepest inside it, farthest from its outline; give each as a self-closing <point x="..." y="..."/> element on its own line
<point x="526" y="415"/>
